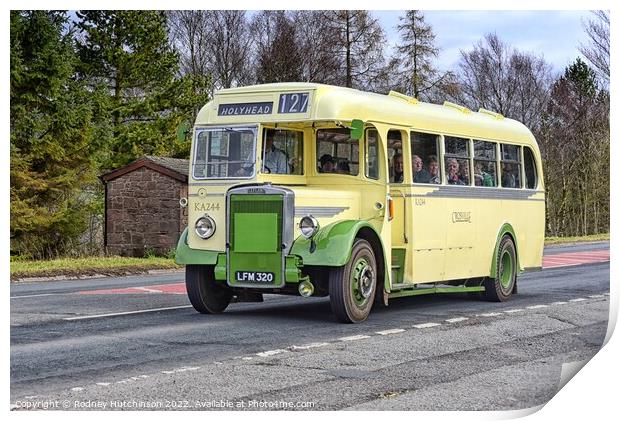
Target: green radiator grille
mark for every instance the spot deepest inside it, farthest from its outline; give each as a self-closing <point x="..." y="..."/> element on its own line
<point x="257" y="210"/>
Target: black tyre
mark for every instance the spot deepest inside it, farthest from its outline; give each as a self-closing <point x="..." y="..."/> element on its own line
<point x="352" y="287"/>
<point x="502" y="287"/>
<point x="205" y="293"/>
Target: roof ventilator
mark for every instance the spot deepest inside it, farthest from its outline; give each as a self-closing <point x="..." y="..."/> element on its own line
<point x="406" y="98"/>
<point x="491" y="113"/>
<point x="461" y="108"/>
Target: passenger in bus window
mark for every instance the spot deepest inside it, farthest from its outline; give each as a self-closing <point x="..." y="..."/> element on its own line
<point x="420" y="175"/>
<point x="328" y="164"/>
<point x="464" y="173"/>
<point x="343" y="167"/>
<point x="274" y="161"/>
<point x="452" y="171"/>
<point x="433" y="169"/>
<point x="508" y="178"/>
<point x="481" y="177"/>
<point x="397" y="168"/>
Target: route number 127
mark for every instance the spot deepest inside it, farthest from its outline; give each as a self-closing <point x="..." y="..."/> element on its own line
<point x="293" y="103"/>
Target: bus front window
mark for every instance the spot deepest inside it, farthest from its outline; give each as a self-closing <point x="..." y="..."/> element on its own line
<point x="282" y="152"/>
<point x="224" y="153"/>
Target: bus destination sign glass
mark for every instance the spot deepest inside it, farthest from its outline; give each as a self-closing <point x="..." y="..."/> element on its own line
<point x="250" y="108"/>
<point x="293" y="103"/>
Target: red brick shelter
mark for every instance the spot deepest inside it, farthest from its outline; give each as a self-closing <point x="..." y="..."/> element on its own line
<point x="142" y="211"/>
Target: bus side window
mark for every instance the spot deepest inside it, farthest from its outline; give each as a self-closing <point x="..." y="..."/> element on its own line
<point x="485" y="171"/>
<point x="457" y="155"/>
<point x="336" y="152"/>
<point x="424" y="163"/>
<point x="511" y="166"/>
<point x="530" y="168"/>
<point x="395" y="156"/>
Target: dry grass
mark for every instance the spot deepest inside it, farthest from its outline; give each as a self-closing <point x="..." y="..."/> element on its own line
<point x="583" y="239"/>
<point x="113" y="265"/>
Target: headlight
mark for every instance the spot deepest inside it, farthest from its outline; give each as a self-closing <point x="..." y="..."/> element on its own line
<point x="205" y="227"/>
<point x="308" y="226"/>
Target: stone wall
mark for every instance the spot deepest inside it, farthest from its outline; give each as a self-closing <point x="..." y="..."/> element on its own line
<point x="143" y="213"/>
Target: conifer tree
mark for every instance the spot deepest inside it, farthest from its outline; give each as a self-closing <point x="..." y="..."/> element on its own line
<point x="128" y="55"/>
<point x="416" y="53"/>
<point x="52" y="144"/>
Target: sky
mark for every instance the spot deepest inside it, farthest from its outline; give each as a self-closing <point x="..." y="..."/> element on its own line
<point x="555" y="35"/>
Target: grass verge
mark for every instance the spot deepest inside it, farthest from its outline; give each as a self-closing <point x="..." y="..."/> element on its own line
<point x="582" y="239"/>
<point x="69" y="267"/>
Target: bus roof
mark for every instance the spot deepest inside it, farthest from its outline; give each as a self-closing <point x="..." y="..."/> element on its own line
<point x="336" y="103"/>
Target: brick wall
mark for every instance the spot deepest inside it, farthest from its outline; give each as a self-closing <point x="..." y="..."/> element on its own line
<point x="144" y="213"/>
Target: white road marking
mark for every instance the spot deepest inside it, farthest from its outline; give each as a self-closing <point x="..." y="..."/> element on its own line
<point x="41" y="295"/>
<point x="150" y="310"/>
<point x="596" y="296"/>
<point x="576" y="300"/>
<point x="304" y="347"/>
<point x="536" y="306"/>
<point x="272" y="352"/>
<point x="76" y="389"/>
<point x="246" y="358"/>
<point x="558" y="303"/>
<point x="353" y="338"/>
<point x="489" y="314"/>
<point x="103" y="384"/>
<point x="426" y="325"/>
<point x="389" y="331"/>
<point x="514" y="310"/>
<point x="457" y="319"/>
<point x="154" y="291"/>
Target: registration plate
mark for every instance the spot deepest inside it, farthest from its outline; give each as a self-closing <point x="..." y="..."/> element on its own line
<point x="255" y="277"/>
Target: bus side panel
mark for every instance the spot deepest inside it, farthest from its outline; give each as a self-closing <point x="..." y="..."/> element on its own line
<point x="461" y="221"/>
<point x="427" y="235"/>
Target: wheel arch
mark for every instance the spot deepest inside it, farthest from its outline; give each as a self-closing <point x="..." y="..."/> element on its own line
<point x="370" y="235"/>
<point x="505" y="229"/>
<point x="333" y="245"/>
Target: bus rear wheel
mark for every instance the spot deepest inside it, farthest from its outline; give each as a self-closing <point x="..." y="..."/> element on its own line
<point x="205" y="293"/>
<point x="504" y="284"/>
<point x="352" y="287"/>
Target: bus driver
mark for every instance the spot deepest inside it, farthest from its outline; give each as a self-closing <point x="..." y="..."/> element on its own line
<point x="274" y="160"/>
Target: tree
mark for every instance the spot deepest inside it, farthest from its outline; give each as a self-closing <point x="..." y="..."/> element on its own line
<point x="497" y="77"/>
<point x="278" y="54"/>
<point x="127" y="56"/>
<point x="358" y="42"/>
<point x="315" y="41"/>
<point x="597" y="52"/>
<point x="416" y="52"/>
<point x="575" y="147"/>
<point x="189" y="35"/>
<point x="228" y="47"/>
<point x="52" y="143"/>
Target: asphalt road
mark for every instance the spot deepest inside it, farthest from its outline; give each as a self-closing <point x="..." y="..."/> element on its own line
<point x="70" y="349"/>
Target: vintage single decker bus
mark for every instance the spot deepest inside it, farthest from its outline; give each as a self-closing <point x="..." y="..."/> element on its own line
<point x="316" y="190"/>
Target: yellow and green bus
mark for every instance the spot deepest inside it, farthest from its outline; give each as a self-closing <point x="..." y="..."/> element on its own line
<point x="317" y="190"/>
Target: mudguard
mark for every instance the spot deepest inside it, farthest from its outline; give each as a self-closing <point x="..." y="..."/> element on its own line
<point x="333" y="244"/>
<point x="188" y="256"/>
<point x="505" y="229"/>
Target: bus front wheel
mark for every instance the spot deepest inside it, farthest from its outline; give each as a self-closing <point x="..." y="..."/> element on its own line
<point x="352" y="287"/>
<point x="204" y="292"/>
<point x="504" y="284"/>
